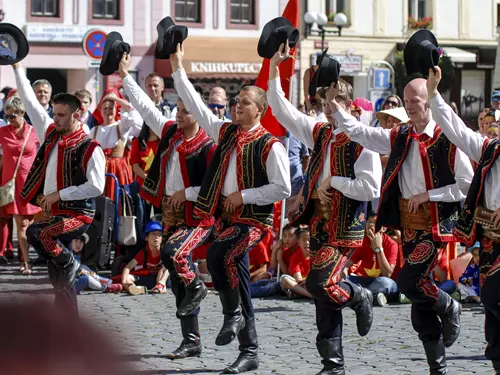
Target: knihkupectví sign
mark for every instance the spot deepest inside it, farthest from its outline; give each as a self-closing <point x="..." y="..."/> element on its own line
<point x="93" y="43"/>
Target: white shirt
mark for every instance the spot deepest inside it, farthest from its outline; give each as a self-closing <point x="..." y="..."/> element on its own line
<point x="471" y="143"/>
<point x="277" y="165"/>
<point x="130" y="125"/>
<point x="155" y="119"/>
<point x="96" y="166"/>
<point x="367" y="168"/>
<point x="411" y="176"/>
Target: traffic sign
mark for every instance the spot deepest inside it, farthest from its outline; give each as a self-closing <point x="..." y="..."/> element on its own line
<point x="93" y="43"/>
<point x="381" y="78"/>
<point x="377" y="97"/>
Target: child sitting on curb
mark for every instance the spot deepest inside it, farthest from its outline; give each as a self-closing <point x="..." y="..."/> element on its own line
<point x="146" y="272"/>
<point x="469" y="281"/>
<point x="88" y="279"/>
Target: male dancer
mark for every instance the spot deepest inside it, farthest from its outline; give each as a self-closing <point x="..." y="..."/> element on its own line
<point x="173" y="182"/>
<point x="484" y="192"/>
<point x="428" y="176"/>
<point x="248" y="174"/>
<point x="341" y="178"/>
<point x="66" y="176"/>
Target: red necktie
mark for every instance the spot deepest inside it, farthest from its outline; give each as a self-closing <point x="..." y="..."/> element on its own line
<point x="419" y="137"/>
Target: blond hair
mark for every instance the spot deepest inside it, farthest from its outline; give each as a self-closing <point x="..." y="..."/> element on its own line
<point x="260" y="97"/>
<point x="344" y="91"/>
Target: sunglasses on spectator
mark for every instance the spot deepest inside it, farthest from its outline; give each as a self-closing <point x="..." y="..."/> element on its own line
<point x="496" y="99"/>
<point x="392" y="103"/>
<point x="11" y="117"/>
<point x="218" y="106"/>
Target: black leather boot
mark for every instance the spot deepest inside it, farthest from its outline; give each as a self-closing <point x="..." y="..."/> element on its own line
<point x="436" y="357"/>
<point x="248" y="359"/>
<point x="191" y="343"/>
<point x="196" y="292"/>
<point x="233" y="320"/>
<point x="333" y="357"/>
<point x="362" y="304"/>
<point x="67" y="267"/>
<point x="496" y="366"/>
<point x="449" y="311"/>
<point x="53" y="274"/>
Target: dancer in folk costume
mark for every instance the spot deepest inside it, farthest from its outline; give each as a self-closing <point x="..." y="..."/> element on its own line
<point x="66" y="176"/>
<point x="342" y="176"/>
<point x="248" y="173"/>
<point x="424" y="182"/>
<point x="172" y="183"/>
<point x="117" y="120"/>
<point x="480" y="216"/>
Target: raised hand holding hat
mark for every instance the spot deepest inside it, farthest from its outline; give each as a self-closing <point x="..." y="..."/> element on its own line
<point x="13" y="44"/>
<point x="169" y="36"/>
<point x="114" y="48"/>
<point x="276" y="32"/>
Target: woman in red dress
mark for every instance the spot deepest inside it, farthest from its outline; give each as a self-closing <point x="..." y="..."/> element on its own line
<point x="12" y="138"/>
<point x="112" y="134"/>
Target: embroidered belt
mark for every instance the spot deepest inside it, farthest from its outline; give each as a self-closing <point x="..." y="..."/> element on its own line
<point x="416" y="221"/>
<point x="170" y="215"/>
<point x="322" y="210"/>
<point x="484" y="217"/>
<point x="225" y="215"/>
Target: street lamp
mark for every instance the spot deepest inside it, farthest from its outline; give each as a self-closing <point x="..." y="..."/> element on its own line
<point x="321" y="20"/>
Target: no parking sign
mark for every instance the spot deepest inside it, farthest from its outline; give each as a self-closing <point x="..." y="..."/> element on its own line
<point x="93" y="43"/>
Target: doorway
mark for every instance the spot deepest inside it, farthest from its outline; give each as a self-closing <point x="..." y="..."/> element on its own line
<point x="56" y="77"/>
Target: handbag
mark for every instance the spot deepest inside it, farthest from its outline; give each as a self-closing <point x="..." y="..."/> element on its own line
<point x="127" y="234"/>
<point x="8" y="191"/>
<point x="416" y="221"/>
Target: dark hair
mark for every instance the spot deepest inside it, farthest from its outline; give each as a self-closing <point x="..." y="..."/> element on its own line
<point x="371" y="214"/>
<point x="292" y="229"/>
<point x="70" y="100"/>
<point x="233" y="101"/>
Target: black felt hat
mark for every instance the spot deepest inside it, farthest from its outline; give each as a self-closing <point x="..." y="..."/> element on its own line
<point x="275" y="33"/>
<point x="327" y="73"/>
<point x="421" y="53"/>
<point x="114" y="47"/>
<point x="13" y="44"/>
<point x="169" y="35"/>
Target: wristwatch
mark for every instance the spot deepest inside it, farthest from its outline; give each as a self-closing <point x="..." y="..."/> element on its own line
<point x="378" y="250"/>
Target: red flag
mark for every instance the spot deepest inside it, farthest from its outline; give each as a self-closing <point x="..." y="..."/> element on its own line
<point x="287" y="69"/>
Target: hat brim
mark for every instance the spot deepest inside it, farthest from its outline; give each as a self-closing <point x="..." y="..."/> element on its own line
<point x="21" y="41"/>
<point x="313" y="85"/>
<point x="114" y="47"/>
<point x="412" y="49"/>
<point x="265" y="47"/>
<point x="176" y="35"/>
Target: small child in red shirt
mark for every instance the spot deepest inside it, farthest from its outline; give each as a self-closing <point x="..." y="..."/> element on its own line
<point x="146" y="271"/>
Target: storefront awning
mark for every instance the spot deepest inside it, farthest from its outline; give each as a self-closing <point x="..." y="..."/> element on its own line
<point x="224" y="58"/>
<point x="460" y="56"/>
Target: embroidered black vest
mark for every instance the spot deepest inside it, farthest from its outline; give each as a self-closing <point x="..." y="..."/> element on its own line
<point x="74" y="152"/>
<point x="438" y="161"/>
<point x="252" y="150"/>
<point x="194" y="156"/>
<point x="347" y="226"/>
<point x="467" y="230"/>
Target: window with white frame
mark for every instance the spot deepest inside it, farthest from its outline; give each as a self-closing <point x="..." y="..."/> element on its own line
<point x="45" y="8"/>
<point x="418" y="9"/>
<point x="242" y="11"/>
<point x="106" y="9"/>
<point x="188" y="10"/>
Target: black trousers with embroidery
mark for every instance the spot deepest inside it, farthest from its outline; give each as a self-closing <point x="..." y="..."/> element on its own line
<point x="324" y="282"/>
<point x="421" y="254"/>
<point x="228" y="261"/>
<point x="489" y="267"/>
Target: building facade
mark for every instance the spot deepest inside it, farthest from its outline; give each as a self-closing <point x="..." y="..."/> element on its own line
<point x="221" y="48"/>
<point x="376" y="29"/>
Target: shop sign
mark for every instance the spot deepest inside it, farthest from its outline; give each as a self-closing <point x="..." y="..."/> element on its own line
<point x="348" y="63"/>
<point x="55" y="34"/>
<point x="222" y="67"/>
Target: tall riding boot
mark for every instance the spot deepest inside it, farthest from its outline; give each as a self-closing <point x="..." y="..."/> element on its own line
<point x="196" y="292"/>
<point x="449" y="311"/>
<point x="68" y="268"/>
<point x="436" y="357"/>
<point x="496" y="366"/>
<point x="53" y="274"/>
<point x="248" y="359"/>
<point x="333" y="357"/>
<point x="362" y="304"/>
<point x="233" y="320"/>
<point x="191" y="343"/>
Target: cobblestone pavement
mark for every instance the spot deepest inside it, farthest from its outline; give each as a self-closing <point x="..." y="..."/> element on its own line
<point x="286" y="334"/>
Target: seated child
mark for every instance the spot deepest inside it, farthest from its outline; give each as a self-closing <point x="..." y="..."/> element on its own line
<point x="88" y="279"/>
<point x="294" y="281"/>
<point x="259" y="261"/>
<point x="469" y="282"/>
<point x="146" y="271"/>
<point x="440" y="275"/>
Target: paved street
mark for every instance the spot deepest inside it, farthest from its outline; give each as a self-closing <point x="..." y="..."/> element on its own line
<point x="286" y="334"/>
